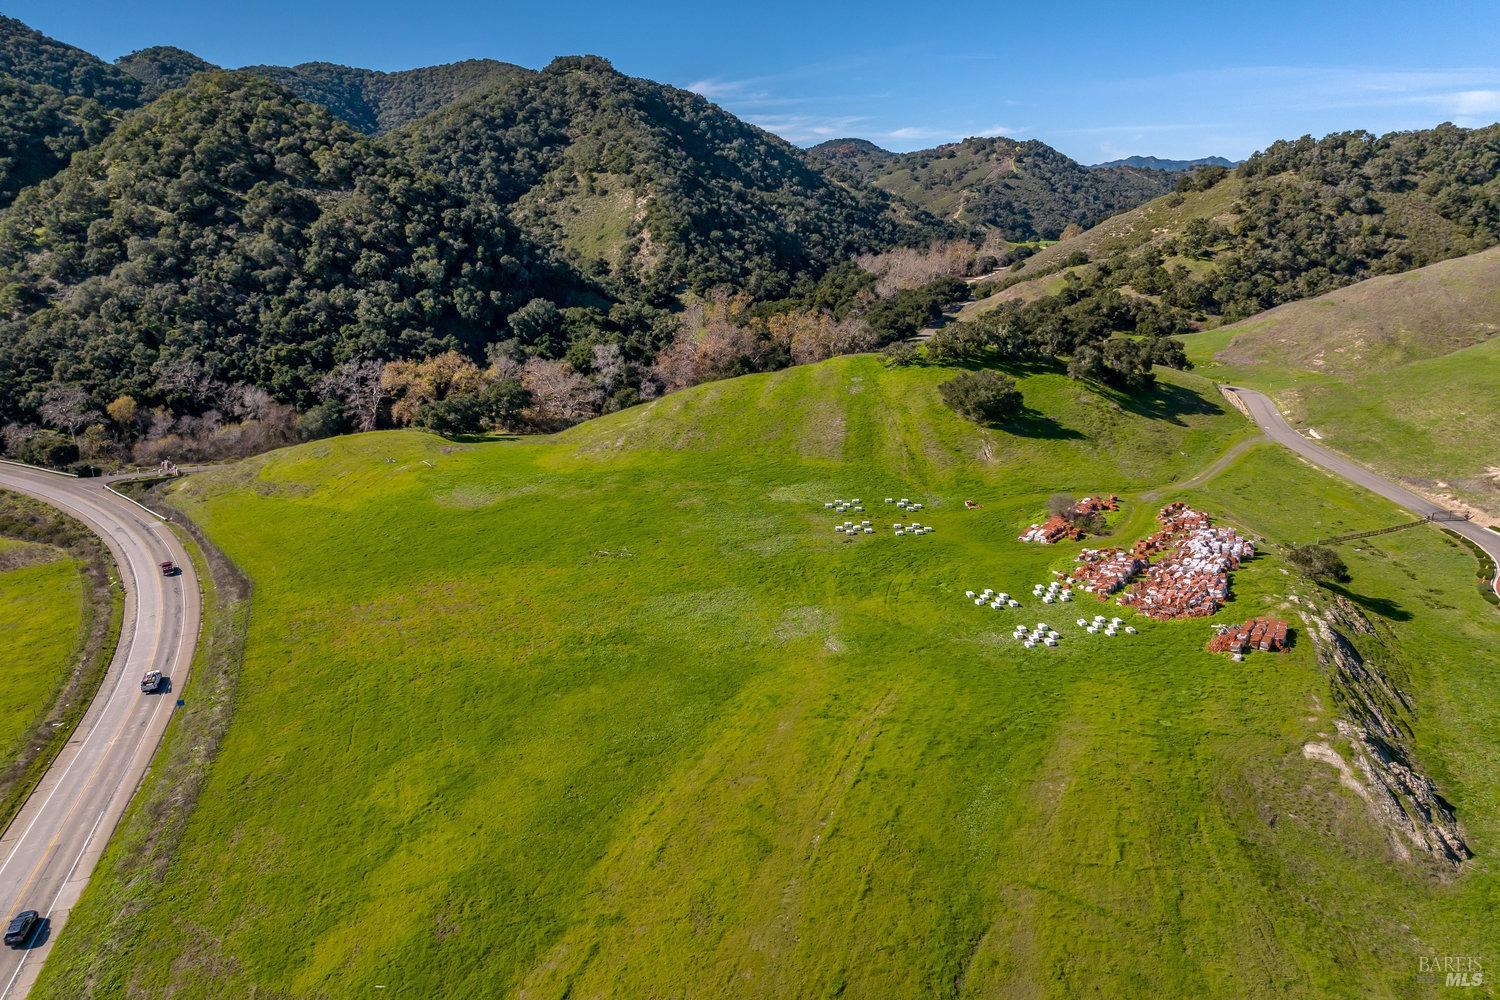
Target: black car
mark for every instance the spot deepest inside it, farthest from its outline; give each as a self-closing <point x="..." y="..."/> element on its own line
<point x="20" y="927"/>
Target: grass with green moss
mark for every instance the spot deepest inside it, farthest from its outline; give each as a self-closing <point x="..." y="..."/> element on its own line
<point x="616" y="713"/>
<point x="42" y="619"/>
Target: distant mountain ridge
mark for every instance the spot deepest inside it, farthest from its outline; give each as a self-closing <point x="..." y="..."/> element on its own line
<point x="1157" y="163"/>
<point x="1024" y="190"/>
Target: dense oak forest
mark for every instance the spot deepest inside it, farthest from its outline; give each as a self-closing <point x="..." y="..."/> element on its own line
<point x="196" y="261"/>
<point x="653" y="184"/>
<point x="232" y="233"/>
<point x="1303" y="217"/>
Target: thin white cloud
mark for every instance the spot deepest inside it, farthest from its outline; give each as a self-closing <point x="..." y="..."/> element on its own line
<point x="810" y="128"/>
<point x="1474" y="102"/>
<point x="915" y="132"/>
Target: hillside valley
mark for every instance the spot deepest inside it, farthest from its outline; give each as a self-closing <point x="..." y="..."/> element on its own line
<point x="1400" y="372"/>
<point x="515" y="527"/>
<point x="871" y="752"/>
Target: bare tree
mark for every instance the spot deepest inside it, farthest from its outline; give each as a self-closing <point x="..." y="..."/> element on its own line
<point x="559" y="395"/>
<point x="609" y="366"/>
<point x="355" y="386"/>
<point x="67" y="407"/>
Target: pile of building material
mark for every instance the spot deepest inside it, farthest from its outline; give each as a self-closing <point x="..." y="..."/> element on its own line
<point x="840" y="506"/>
<point x="850" y="528"/>
<point x="1069" y="526"/>
<point x="1101" y="572"/>
<point x="1189" y="561"/>
<point x="1269" y="635"/>
<point x="904" y="503"/>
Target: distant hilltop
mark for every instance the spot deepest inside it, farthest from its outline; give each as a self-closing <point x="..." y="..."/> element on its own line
<point x="1157" y="163"/>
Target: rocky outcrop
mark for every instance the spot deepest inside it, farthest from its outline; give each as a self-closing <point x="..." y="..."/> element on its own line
<point x="1376" y="726"/>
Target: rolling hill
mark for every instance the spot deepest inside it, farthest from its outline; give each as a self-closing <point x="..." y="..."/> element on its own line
<point x="1295" y="221"/>
<point x="614" y="713"/>
<point x="161" y="68"/>
<point x="1401" y="372"/>
<point x="1157" y="163"/>
<point x="651" y="184"/>
<point x="1022" y="190"/>
<point x="372" y="101"/>
<point x="231" y="233"/>
<point x="54" y="100"/>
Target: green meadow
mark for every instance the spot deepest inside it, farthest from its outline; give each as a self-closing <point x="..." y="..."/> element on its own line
<point x="616" y="713"/>
<point x="41" y="633"/>
<point x="1401" y="372"/>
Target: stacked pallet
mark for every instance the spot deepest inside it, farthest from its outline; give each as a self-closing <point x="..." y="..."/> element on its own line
<point x="1189" y="565"/>
<point x="1069" y="525"/>
<point x="1269" y="635"/>
<point x="1103" y="571"/>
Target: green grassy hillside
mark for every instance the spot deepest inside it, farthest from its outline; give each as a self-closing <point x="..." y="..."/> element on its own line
<point x="1401" y="372"/>
<point x="615" y="713"/>
<point x="41" y="622"/>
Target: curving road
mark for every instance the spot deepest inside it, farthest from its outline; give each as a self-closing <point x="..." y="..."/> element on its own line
<point x="1270" y="420"/>
<point x="50" y="849"/>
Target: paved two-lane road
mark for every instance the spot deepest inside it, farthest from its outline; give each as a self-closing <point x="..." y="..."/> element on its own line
<point x="51" y="847"/>
<point x="1265" y="413"/>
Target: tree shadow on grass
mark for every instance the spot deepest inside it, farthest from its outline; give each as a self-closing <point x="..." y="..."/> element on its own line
<point x="1164" y="401"/>
<point x="482" y="438"/>
<point x="1382" y="606"/>
<point x="1035" y="424"/>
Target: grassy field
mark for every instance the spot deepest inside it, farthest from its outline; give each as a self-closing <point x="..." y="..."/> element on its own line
<point x="41" y="622"/>
<point x="1401" y="372"/>
<point x="615" y="713"/>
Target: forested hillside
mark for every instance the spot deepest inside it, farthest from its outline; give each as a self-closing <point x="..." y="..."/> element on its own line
<point x="1023" y="190"/>
<point x="161" y="68"/>
<point x="373" y="101"/>
<point x="230" y="233"/>
<point x="650" y="184"/>
<point x="54" y="101"/>
<point x="1297" y="220"/>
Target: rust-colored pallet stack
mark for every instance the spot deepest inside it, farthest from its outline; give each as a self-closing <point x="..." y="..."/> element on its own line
<point x="1101" y="572"/>
<point x="1057" y="527"/>
<point x="1189" y="561"/>
<point x="1269" y="635"/>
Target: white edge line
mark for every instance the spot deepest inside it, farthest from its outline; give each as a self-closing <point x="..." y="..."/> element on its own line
<point x="148" y="510"/>
<point x="39" y="468"/>
<point x="89" y="736"/>
<point x="53" y="905"/>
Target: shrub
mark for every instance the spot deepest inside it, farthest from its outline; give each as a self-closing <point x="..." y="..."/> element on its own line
<point x="899" y="354"/>
<point x="1319" y="563"/>
<point x="982" y="396"/>
<point x="48" y="448"/>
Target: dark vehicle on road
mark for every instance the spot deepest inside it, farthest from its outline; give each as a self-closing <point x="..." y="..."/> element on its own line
<point x="168" y="568"/>
<point x="152" y="682"/>
<point x="20" y="927"/>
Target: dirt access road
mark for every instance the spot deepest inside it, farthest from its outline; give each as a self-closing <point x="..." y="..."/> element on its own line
<point x="50" y="849"/>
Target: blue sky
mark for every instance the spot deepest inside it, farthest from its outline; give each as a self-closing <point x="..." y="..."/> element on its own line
<point x="1096" y="80"/>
